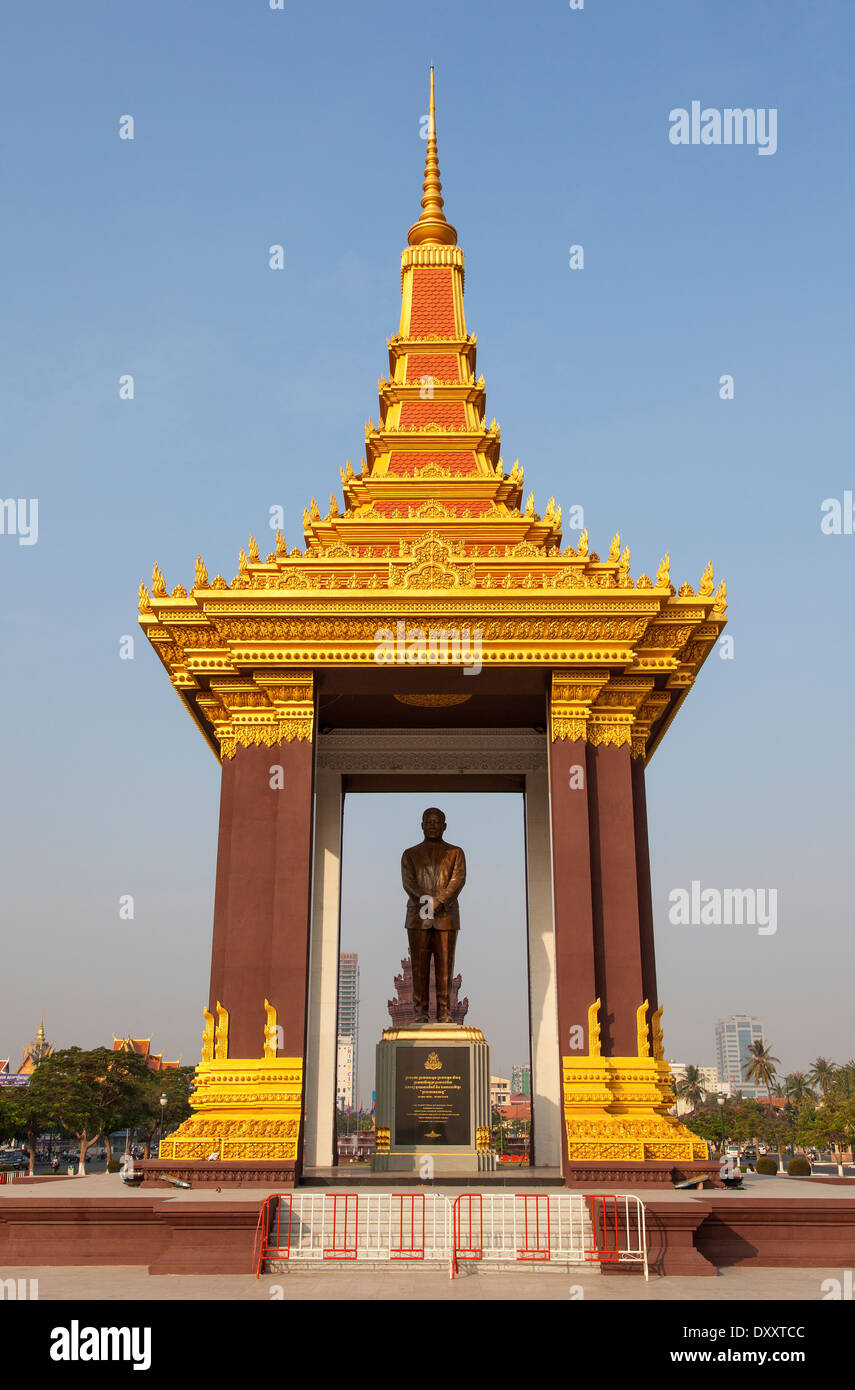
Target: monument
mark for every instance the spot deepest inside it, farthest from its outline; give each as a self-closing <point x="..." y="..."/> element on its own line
<point x="433" y="1078"/>
<point x="346" y="665"/>
<point x="433" y="873"/>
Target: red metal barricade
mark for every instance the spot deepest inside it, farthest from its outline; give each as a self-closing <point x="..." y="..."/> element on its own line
<point x="344" y="1225"/>
<point x="411" y="1219"/>
<point x="467" y="1229"/>
<point x="604" y="1223"/>
<point x="272" y="1230"/>
<point x="535" y="1226"/>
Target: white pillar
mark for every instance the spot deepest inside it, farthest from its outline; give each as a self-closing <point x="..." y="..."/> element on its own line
<point x="322" y="1049"/>
<point x="546" y="1104"/>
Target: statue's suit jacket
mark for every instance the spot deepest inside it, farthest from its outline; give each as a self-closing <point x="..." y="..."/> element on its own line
<point x="437" y="869"/>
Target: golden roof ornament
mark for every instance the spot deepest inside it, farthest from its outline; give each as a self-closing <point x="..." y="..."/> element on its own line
<point x="432" y="228"/>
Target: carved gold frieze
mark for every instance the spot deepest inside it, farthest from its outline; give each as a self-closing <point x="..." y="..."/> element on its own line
<point x="246" y="1108"/>
<point x="618" y="1108"/>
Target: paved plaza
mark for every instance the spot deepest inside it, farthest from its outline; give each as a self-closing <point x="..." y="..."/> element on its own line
<point x="117" y="1283"/>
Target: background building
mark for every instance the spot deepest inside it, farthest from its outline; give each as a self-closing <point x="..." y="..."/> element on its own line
<point x="500" y="1090"/>
<point x="35" y="1052"/>
<point x="521" y="1080"/>
<point x="345" y="1091"/>
<point x="709" y="1080"/>
<point x="347" y="1077"/>
<point x="142" y="1048"/>
<point x="733" y="1037"/>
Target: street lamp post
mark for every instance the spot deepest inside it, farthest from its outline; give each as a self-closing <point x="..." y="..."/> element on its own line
<point x="164" y="1101"/>
<point x="721" y="1119"/>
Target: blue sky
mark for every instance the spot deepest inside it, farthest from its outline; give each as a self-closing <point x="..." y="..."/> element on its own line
<point x="301" y="127"/>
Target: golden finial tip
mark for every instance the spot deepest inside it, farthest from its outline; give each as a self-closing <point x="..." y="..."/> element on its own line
<point x="432" y="228"/>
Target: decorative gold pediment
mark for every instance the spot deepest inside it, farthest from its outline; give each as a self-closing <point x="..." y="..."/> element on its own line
<point x="430" y="509"/>
<point x="432" y="566"/>
<point x="432" y="470"/>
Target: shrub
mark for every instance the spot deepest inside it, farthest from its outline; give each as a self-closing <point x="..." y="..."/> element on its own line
<point x="798" y="1167"/>
<point x="767" y="1167"/>
<point x="114" y="1166"/>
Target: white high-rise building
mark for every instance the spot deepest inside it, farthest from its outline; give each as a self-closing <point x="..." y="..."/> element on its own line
<point x="733" y="1037"/>
<point x="347" y="1077"/>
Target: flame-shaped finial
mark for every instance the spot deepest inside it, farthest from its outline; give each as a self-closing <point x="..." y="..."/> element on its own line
<point x="432" y="228"/>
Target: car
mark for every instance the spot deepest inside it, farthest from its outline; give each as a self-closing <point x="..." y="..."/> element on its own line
<point x="15" y="1159"/>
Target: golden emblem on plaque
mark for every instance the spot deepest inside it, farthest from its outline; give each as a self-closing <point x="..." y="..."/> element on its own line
<point x="433" y="1063"/>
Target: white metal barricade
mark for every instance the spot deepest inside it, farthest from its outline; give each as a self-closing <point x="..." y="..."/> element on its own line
<point x="381" y="1226"/>
<point x="557" y="1227"/>
<point x="498" y="1228"/>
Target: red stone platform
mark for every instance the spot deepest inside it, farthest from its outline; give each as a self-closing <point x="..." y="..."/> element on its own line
<point x="642" y="1175"/>
<point x="276" y="1176"/>
<point x="773" y="1223"/>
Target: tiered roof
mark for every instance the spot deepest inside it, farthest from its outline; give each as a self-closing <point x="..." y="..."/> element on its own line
<point x="432" y="529"/>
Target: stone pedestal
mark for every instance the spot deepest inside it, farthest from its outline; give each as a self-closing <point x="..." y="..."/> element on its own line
<point x="433" y="1101"/>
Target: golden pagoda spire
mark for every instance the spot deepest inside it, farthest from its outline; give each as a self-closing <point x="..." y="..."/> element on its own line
<point x="432" y="228"/>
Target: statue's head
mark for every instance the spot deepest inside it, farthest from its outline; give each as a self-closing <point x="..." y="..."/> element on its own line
<point x="433" y="823"/>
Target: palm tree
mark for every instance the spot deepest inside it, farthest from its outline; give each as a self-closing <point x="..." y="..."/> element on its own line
<point x="691" y="1088"/>
<point x="797" y="1088"/>
<point x="759" y="1069"/>
<point x="820" y="1075"/>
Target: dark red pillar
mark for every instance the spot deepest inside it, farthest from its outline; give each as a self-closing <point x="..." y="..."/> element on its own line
<point x="615" y="883"/>
<point x="261" y="908"/>
<point x="575" y="965"/>
<point x="645" y="895"/>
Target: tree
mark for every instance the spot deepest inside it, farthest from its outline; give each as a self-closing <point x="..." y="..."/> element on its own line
<point x="144" y="1109"/>
<point x="829" y="1126"/>
<point x="705" y="1123"/>
<point x="691" y="1088"/>
<point x="84" y="1091"/>
<point x="25" y="1116"/>
<point x="759" y="1069"/>
<point x="797" y="1089"/>
<point x="820" y="1075"/>
<point x="499" y="1129"/>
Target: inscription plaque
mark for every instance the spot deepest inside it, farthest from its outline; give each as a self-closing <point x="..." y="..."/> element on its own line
<point x="432" y="1096"/>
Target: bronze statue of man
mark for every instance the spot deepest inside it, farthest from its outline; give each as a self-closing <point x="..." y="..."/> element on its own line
<point x="433" y="874"/>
